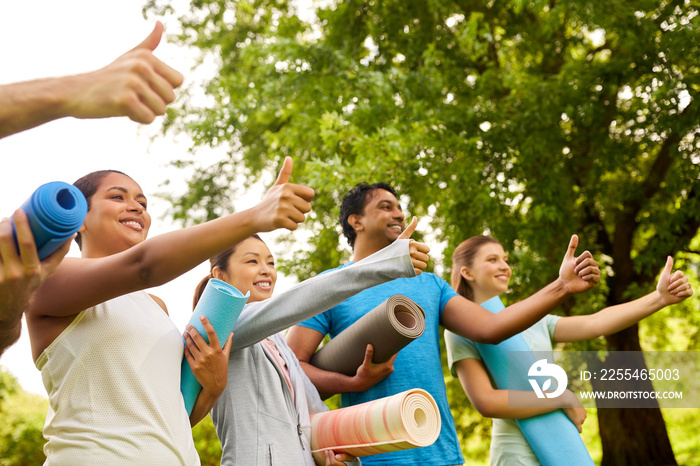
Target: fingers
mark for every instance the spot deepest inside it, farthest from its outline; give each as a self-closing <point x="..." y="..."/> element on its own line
<point x="153" y="39"/>
<point x="588" y="270"/>
<point x="211" y="333"/>
<point x="406" y="234"/>
<point x="419" y="256"/>
<point x="286" y="171"/>
<point x="679" y="285"/>
<point x="28" y="255"/>
<point x="573" y="244"/>
<point x="337" y="459"/>
<point x="195" y="342"/>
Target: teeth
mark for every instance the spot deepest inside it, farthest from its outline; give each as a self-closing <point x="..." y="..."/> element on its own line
<point x="262" y="284"/>
<point x="396" y="227"/>
<point x="132" y="223"/>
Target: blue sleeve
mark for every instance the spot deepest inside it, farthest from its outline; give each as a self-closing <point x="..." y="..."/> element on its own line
<point x="446" y="293"/>
<point x="320" y="323"/>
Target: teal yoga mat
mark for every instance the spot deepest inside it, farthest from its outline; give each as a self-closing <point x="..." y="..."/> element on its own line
<point x="55" y="211"/>
<point x="221" y="303"/>
<point x="552" y="436"/>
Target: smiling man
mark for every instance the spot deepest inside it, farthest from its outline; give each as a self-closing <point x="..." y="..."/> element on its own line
<point x="372" y="218"/>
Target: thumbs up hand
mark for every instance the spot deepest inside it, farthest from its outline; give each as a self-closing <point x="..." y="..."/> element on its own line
<point x="285" y="204"/>
<point x="578" y="273"/>
<point x="419" y="251"/>
<point x="673" y="286"/>
<point x="137" y="85"/>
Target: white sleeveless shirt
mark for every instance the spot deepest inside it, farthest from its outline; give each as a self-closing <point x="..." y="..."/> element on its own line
<point x="113" y="380"/>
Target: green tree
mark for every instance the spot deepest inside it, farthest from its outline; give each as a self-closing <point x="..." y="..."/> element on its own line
<point x="22" y="417"/>
<point x="531" y="120"/>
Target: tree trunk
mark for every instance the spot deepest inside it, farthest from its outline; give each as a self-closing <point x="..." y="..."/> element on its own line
<point x="632" y="436"/>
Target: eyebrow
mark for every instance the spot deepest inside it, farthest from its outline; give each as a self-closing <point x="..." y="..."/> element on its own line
<point x="125" y="191"/>
<point x="251" y="253"/>
<point x="388" y="201"/>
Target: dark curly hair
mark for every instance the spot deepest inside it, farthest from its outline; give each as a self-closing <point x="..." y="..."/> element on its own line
<point x="354" y="203"/>
<point x="88" y="185"/>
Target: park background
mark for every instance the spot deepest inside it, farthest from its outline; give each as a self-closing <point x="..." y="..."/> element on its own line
<point x="527" y="120"/>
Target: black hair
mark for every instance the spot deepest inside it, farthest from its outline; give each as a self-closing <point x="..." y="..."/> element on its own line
<point x="88" y="185"/>
<point x="354" y="203"/>
<point x="221" y="261"/>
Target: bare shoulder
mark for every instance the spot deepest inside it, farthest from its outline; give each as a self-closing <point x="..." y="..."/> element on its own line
<point x="160" y="302"/>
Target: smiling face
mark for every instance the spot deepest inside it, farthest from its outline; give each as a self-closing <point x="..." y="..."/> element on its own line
<point x="250" y="268"/>
<point x="489" y="272"/>
<point x="381" y="221"/>
<point x="117" y="218"/>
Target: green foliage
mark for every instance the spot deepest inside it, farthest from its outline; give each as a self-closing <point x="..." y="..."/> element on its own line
<point x="207" y="442"/>
<point x="21" y="423"/>
<point x="529" y="120"/>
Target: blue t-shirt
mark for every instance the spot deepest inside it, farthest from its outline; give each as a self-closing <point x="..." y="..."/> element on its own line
<point x="417" y="365"/>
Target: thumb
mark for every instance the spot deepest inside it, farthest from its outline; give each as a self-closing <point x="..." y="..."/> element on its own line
<point x="286" y="171"/>
<point x="369" y="352"/>
<point x="406" y="234"/>
<point x="153" y="39"/>
<point x="668" y="268"/>
<point x="573" y="244"/>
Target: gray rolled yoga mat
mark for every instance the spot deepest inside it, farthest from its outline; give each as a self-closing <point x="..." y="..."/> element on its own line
<point x="388" y="327"/>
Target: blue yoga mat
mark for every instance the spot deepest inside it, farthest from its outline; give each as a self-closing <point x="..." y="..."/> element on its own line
<point x="221" y="303"/>
<point x="55" y="211"/>
<point x="552" y="436"/>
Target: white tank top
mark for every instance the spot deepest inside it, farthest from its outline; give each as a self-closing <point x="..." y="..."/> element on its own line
<point x="113" y="380"/>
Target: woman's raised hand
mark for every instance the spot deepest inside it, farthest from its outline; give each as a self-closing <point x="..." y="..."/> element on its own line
<point x="673" y="287"/>
<point x="578" y="273"/>
<point x="285" y="204"/>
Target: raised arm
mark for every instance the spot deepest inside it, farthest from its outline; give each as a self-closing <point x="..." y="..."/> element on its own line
<point x="494" y="403"/>
<point x="137" y="85"/>
<point x="672" y="288"/>
<point x="466" y="318"/>
<point x="311" y="297"/>
<point x="21" y="273"/>
<point x="79" y="284"/>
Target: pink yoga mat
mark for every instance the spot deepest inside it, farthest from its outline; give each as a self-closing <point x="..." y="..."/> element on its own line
<point x="406" y="420"/>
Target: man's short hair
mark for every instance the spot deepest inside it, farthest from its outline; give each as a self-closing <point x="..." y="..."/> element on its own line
<point x="354" y="203"/>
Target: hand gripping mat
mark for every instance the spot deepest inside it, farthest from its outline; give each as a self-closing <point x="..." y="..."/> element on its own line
<point x="221" y="303"/>
<point x="388" y="327"/>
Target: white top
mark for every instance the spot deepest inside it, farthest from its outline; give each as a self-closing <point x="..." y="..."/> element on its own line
<point x="113" y="380"/>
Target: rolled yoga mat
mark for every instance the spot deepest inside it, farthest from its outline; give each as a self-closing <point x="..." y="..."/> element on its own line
<point x="55" y="211"/>
<point x="552" y="436"/>
<point x="409" y="419"/>
<point x="221" y="303"/>
<point x="388" y="327"/>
